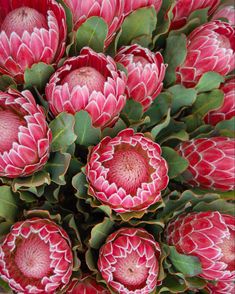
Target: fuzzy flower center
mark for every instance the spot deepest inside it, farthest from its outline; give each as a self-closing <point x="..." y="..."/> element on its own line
<point x="228" y="250"/>
<point x="9" y="128"/>
<point x="128" y="169"/>
<point x="23" y="19"/>
<point x="33" y="257"/>
<point x="85" y="76"/>
<point x="140" y="59"/>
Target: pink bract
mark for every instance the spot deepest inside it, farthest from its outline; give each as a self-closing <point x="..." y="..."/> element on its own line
<point x="36" y="257"/>
<point x="221" y="288"/>
<point x="127" y="172"/>
<point x="146" y="71"/>
<point x="41" y="44"/>
<point x="227" y="12"/>
<point x="210" y="237"/>
<point x="128" y="261"/>
<point x="131" y="5"/>
<point x="24" y="135"/>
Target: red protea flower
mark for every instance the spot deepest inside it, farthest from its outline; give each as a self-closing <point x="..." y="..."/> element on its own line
<point x="227" y="110"/>
<point x="210" y="47"/>
<point x="86" y="284"/>
<point x="210" y="237"/>
<point x="227" y="12"/>
<point x="30" y="32"/>
<point x="221" y="288"/>
<point x="131" y="5"/>
<point x="211" y="162"/>
<point x="183" y="9"/>
<point x="110" y="10"/>
<point x="24" y="135"/>
<point x="128" y="261"/>
<point x="36" y="257"/>
<point x="127" y="172"/>
<point x="88" y="82"/>
<point x="146" y="71"/>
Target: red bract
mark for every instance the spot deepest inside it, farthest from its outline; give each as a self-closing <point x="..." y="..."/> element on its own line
<point x="24" y="135"/>
<point x="128" y="261"/>
<point x="146" y="71"/>
<point x="183" y="9"/>
<point x="131" y="5"/>
<point x="227" y="12"/>
<point x="211" y="162"/>
<point x="221" y="288"/>
<point x="210" y="237"/>
<point x="86" y="284"/>
<point x="227" y="110"/>
<point x="127" y="172"/>
<point x="110" y="10"/>
<point x="30" y="32"/>
<point x="88" y="82"/>
<point x="36" y="257"/>
<point x="210" y="47"/>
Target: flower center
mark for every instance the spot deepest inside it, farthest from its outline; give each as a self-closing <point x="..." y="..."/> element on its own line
<point x="9" y="128"/>
<point x="128" y="169"/>
<point x="23" y="19"/>
<point x="140" y="59"/>
<point x="85" y="76"/>
<point x="228" y="250"/>
<point x="33" y="257"/>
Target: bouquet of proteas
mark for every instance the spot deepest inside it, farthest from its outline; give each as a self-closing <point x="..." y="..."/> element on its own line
<point x="117" y="149"/>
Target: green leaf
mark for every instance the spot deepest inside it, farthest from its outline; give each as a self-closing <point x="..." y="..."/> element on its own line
<point x="177" y="164"/>
<point x="133" y="30"/>
<point x="188" y="265"/>
<point x="69" y="18"/>
<point x="133" y="111"/>
<point x="209" y="81"/>
<point x="62" y="131"/>
<point x="226" y="128"/>
<point x="92" y="33"/>
<point x="38" y="75"/>
<point x="6" y="82"/>
<point x="158" y="128"/>
<point x="86" y="134"/>
<point x="217" y="205"/>
<point x="9" y="208"/>
<point x="112" y="132"/>
<point x="79" y="183"/>
<point x="175" y="55"/>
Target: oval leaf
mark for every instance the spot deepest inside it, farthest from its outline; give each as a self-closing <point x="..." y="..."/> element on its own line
<point x="9" y="204"/>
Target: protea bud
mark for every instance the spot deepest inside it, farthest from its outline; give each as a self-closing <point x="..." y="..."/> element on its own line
<point x="210" y="47"/>
<point x="30" y="32"/>
<point x="24" y="135"/>
<point x="146" y="71"/>
<point x="211" y="162"/>
<point x="183" y="9"/>
<point x="36" y="257"/>
<point x="227" y="110"/>
<point x="221" y="288"/>
<point x="110" y="10"/>
<point x="88" y="285"/>
<point x="210" y="237"/>
<point x="227" y="12"/>
<point x="131" y="5"/>
<point x="127" y="172"/>
<point x="88" y="82"/>
<point x="128" y="261"/>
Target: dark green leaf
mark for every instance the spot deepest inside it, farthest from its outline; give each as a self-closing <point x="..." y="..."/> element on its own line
<point x="6" y="82"/>
<point x="226" y="128"/>
<point x="209" y="81"/>
<point x="9" y="204"/>
<point x="161" y="126"/>
<point x="132" y="111"/>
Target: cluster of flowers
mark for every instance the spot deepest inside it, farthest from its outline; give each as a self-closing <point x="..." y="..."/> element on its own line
<point x="127" y="176"/>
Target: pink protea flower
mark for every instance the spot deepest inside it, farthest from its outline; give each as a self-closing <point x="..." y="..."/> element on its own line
<point x="110" y="10"/>
<point x="128" y="261"/>
<point x="30" y="32"/>
<point x="88" y="82"/>
<point x="211" y="162"/>
<point x="210" y="237"/>
<point x="88" y="285"/>
<point x="221" y="288"/>
<point x="36" y="257"/>
<point x="227" y="110"/>
<point x="183" y="9"/>
<point x="146" y="71"/>
<point x="24" y="135"/>
<point x="227" y="12"/>
<point x="131" y="5"/>
<point x="210" y="47"/>
<point x="127" y="172"/>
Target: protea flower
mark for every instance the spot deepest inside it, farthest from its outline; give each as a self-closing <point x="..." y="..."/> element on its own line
<point x="146" y="71"/>
<point x="227" y="12"/>
<point x="24" y="135"/>
<point x="110" y="10"/>
<point x="211" y="162"/>
<point x="88" y="285"/>
<point x="131" y="5"/>
<point x="88" y="82"/>
<point x="36" y="257"/>
<point x="227" y="110"/>
<point x="221" y="288"/>
<point x="210" y="47"/>
<point x="210" y="237"/>
<point x="127" y="172"/>
<point x="30" y="32"/>
<point x="183" y="9"/>
<point x="128" y="261"/>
